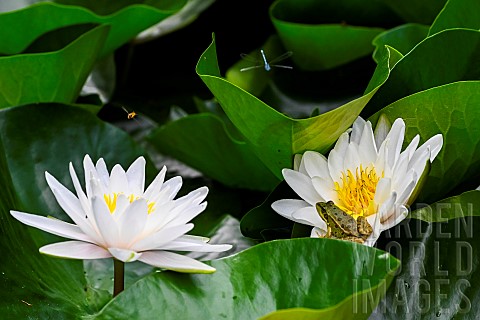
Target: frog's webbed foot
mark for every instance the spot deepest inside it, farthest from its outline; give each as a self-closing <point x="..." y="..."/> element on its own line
<point x="363" y="227"/>
<point x="354" y="239"/>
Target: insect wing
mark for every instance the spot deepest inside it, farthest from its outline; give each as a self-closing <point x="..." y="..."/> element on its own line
<point x="281" y="66"/>
<point x="281" y="57"/>
<point x="250" y="68"/>
<point x="249" y="58"/>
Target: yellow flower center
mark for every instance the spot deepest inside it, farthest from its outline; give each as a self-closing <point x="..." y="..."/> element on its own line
<point x="357" y="190"/>
<point x="111" y="201"/>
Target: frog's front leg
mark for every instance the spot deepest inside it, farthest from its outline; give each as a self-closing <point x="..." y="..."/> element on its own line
<point x="329" y="232"/>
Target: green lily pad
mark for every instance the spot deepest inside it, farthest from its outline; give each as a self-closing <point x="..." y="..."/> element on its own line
<point x="420" y="68"/>
<point x="451" y="110"/>
<point x="274" y="137"/>
<point x="245" y="287"/>
<point x="126" y="20"/>
<point x="403" y="38"/>
<point x="457" y="14"/>
<point x="423" y="12"/>
<point x="203" y="142"/>
<point x="54" y="76"/>
<point x="323" y="35"/>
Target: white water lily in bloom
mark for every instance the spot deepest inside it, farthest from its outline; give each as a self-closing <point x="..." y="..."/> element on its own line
<point x="366" y="174"/>
<point x="117" y="218"/>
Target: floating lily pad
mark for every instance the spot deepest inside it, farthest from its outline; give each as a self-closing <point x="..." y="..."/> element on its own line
<point x="126" y="20"/>
<point x="326" y="34"/>
<point x="424" y="67"/>
<point x="403" y="38"/>
<point x="244" y="286"/>
<point x="52" y="76"/>
<point x="451" y="110"/>
<point x="423" y="12"/>
<point x="458" y="14"/>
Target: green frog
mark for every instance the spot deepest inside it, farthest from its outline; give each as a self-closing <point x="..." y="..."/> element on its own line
<point x="341" y="225"/>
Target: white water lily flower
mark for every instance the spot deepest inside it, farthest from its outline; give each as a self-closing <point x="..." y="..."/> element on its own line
<point x="366" y="174"/>
<point x="117" y="218"/>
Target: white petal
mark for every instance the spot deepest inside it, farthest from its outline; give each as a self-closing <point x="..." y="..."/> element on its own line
<point x="309" y="216"/>
<point x="122" y="204"/>
<point x="316" y="165"/>
<point x="435" y="144"/>
<point x="381" y="130"/>
<point x="367" y="149"/>
<point x="383" y="191"/>
<point x="177" y="245"/>
<point x="162" y="237"/>
<point x="400" y="213"/>
<point x="181" y="216"/>
<point x="78" y="189"/>
<point x="405" y="194"/>
<point x="136" y="176"/>
<point x="317" y="233"/>
<point x="325" y="188"/>
<point x="419" y="161"/>
<point x="118" y="181"/>
<point x="286" y="207"/>
<point x="175" y="262"/>
<point x="106" y="224"/>
<point x="371" y="240"/>
<point x="173" y="185"/>
<point x="193" y="197"/>
<point x="381" y="162"/>
<point x="66" y="199"/>
<point x="357" y="130"/>
<point x="185" y="208"/>
<point x="72" y="206"/>
<point x="335" y="165"/>
<point x="193" y="239"/>
<point x="132" y="222"/>
<point x="351" y="159"/>
<point x="51" y="225"/>
<point x="75" y="250"/>
<point x="124" y="255"/>
<point x="90" y="173"/>
<point x="394" y="140"/>
<point x="342" y="144"/>
<point x="387" y="209"/>
<point x="96" y="188"/>
<point x="400" y="169"/>
<point x="156" y="185"/>
<point x="302" y="185"/>
<point x="410" y="149"/>
<point x="157" y="219"/>
<point x="102" y="172"/>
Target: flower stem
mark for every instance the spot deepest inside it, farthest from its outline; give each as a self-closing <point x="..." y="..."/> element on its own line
<point x="118" y="276"/>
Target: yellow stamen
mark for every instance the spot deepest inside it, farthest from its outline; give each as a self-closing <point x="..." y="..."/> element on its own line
<point x="356" y="191"/>
<point x="111" y="201"/>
